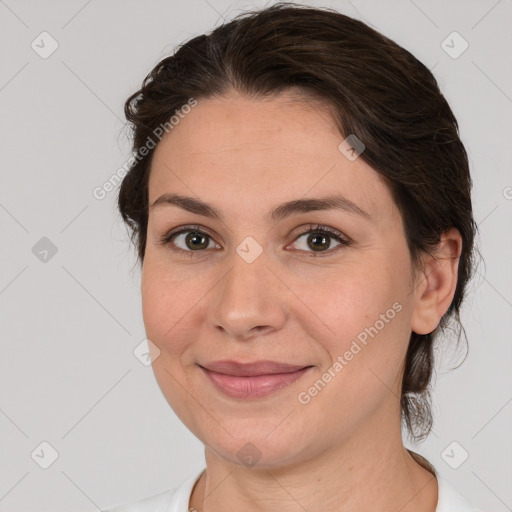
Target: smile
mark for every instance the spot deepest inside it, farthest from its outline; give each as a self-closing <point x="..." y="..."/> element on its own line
<point x="254" y="380"/>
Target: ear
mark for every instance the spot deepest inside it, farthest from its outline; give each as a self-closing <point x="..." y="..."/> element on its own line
<point x="436" y="283"/>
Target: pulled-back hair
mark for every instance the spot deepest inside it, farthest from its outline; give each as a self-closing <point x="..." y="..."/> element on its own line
<point x="378" y="91"/>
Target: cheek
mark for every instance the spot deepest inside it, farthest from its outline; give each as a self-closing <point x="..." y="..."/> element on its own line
<point x="164" y="302"/>
<point x="352" y="299"/>
<point x="365" y="315"/>
<point x="174" y="302"/>
<point x="366" y="326"/>
<point x="167" y="307"/>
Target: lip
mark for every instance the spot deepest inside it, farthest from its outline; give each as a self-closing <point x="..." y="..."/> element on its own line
<point x="252" y="380"/>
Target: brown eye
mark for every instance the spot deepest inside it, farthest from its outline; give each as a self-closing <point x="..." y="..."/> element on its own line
<point x="196" y="240"/>
<point x="188" y="240"/>
<point x="320" y="240"/>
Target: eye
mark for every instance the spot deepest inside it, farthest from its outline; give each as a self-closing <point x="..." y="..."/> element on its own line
<point x="191" y="238"/>
<point x="319" y="239"/>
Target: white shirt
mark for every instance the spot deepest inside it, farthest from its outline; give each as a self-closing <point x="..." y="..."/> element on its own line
<point x="177" y="500"/>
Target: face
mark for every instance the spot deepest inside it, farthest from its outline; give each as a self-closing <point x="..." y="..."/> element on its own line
<point x="323" y="287"/>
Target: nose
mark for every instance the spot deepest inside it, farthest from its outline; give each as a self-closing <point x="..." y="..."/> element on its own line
<point x="249" y="300"/>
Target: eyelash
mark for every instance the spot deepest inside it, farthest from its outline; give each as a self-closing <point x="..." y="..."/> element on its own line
<point x="320" y="229"/>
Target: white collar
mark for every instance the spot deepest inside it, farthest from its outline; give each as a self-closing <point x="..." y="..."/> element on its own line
<point x="177" y="500"/>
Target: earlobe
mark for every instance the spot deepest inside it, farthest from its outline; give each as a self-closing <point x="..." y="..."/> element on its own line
<point x="437" y="283"/>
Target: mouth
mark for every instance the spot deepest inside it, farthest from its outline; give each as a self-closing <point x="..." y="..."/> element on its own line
<point x="252" y="380"/>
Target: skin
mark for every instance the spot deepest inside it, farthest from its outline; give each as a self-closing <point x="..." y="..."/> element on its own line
<point x="343" y="450"/>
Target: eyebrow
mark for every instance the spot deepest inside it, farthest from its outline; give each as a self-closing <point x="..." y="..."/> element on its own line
<point x="332" y="202"/>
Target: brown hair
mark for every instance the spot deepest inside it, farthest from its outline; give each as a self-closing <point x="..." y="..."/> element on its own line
<point x="379" y="91"/>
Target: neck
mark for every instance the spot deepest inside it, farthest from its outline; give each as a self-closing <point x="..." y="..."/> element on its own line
<point x="371" y="471"/>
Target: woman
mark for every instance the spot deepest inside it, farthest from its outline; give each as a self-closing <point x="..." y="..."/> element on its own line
<point x="300" y="200"/>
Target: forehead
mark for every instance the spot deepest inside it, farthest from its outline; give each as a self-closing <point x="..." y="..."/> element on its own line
<point x="265" y="150"/>
<point x="284" y="121"/>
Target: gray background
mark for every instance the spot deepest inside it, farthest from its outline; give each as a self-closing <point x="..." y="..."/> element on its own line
<point x="71" y="320"/>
